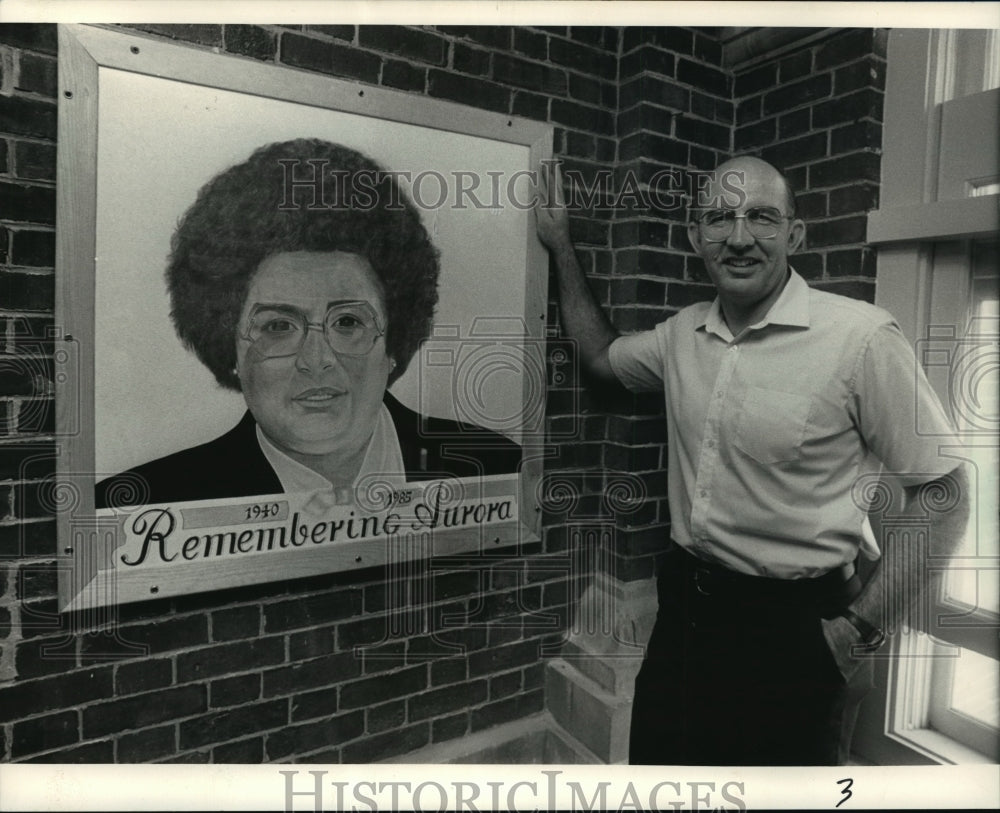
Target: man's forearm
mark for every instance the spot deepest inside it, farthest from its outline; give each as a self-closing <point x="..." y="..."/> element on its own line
<point x="905" y="578"/>
<point x="583" y="319"/>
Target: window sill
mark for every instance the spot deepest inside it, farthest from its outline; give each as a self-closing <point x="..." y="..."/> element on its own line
<point x="938" y="747"/>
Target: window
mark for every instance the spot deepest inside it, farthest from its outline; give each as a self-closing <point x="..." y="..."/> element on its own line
<point x="953" y="695"/>
<point x="938" y="273"/>
<point x="967" y="62"/>
<point x="965" y="688"/>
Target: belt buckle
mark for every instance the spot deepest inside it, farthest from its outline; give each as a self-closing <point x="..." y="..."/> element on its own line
<point x="701" y="574"/>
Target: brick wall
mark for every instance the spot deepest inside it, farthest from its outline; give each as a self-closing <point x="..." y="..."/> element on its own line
<point x="675" y="115"/>
<point x="817" y="111"/>
<point x="270" y="672"/>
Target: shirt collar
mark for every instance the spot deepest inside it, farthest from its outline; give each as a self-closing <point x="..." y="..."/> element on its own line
<point x="791" y="308"/>
<point x="382" y="456"/>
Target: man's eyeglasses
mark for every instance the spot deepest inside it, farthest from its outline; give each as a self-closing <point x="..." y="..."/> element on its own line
<point x="761" y="221"/>
<point x="350" y="328"/>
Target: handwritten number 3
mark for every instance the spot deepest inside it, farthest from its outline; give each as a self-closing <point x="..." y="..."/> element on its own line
<point x="845" y="790"/>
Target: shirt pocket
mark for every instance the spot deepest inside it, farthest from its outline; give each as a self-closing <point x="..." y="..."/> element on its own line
<point x="772" y="425"/>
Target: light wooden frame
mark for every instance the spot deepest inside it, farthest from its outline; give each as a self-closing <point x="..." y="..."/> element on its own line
<point x="85" y="539"/>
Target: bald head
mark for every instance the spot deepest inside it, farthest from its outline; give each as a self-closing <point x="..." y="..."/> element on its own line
<point x="732" y="180"/>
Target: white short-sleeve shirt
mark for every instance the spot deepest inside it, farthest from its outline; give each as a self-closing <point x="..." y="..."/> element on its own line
<point x="772" y="434"/>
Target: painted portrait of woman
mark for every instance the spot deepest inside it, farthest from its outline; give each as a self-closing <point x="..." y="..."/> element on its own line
<point x="310" y="310"/>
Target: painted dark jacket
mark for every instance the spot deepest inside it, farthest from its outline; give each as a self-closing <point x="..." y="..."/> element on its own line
<point x="233" y="465"/>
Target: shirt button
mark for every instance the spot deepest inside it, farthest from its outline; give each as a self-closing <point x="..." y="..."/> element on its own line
<point x="704" y="493"/>
<point x="710" y="444"/>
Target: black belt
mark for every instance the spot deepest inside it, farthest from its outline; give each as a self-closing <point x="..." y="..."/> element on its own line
<point x="830" y="592"/>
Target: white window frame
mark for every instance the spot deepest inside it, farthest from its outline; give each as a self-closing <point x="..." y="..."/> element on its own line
<point x="924" y="231"/>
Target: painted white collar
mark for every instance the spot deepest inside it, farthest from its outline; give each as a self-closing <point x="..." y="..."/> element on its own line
<point x="383" y="461"/>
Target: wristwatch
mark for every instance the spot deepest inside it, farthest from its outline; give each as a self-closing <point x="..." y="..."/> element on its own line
<point x="871" y="637"/>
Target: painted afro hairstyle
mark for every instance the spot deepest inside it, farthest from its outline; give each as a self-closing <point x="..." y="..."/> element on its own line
<point x="253" y="210"/>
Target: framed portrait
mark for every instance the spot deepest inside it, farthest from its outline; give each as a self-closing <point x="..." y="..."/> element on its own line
<point x="305" y="320"/>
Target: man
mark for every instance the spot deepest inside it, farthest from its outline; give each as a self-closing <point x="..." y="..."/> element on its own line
<point x="780" y="399"/>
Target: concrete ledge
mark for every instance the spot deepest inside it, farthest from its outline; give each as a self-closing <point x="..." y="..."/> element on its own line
<point x="590" y="714"/>
<point x="535" y="740"/>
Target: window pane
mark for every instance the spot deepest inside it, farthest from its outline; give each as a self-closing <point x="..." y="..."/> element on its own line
<point x="975" y="396"/>
<point x="976" y="691"/>
<point x="969" y="62"/>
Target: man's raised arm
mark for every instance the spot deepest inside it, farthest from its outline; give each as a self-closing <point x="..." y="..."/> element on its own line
<point x="583" y="319"/>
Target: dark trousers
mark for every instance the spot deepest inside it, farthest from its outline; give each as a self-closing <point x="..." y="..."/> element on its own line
<point x="737" y="679"/>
